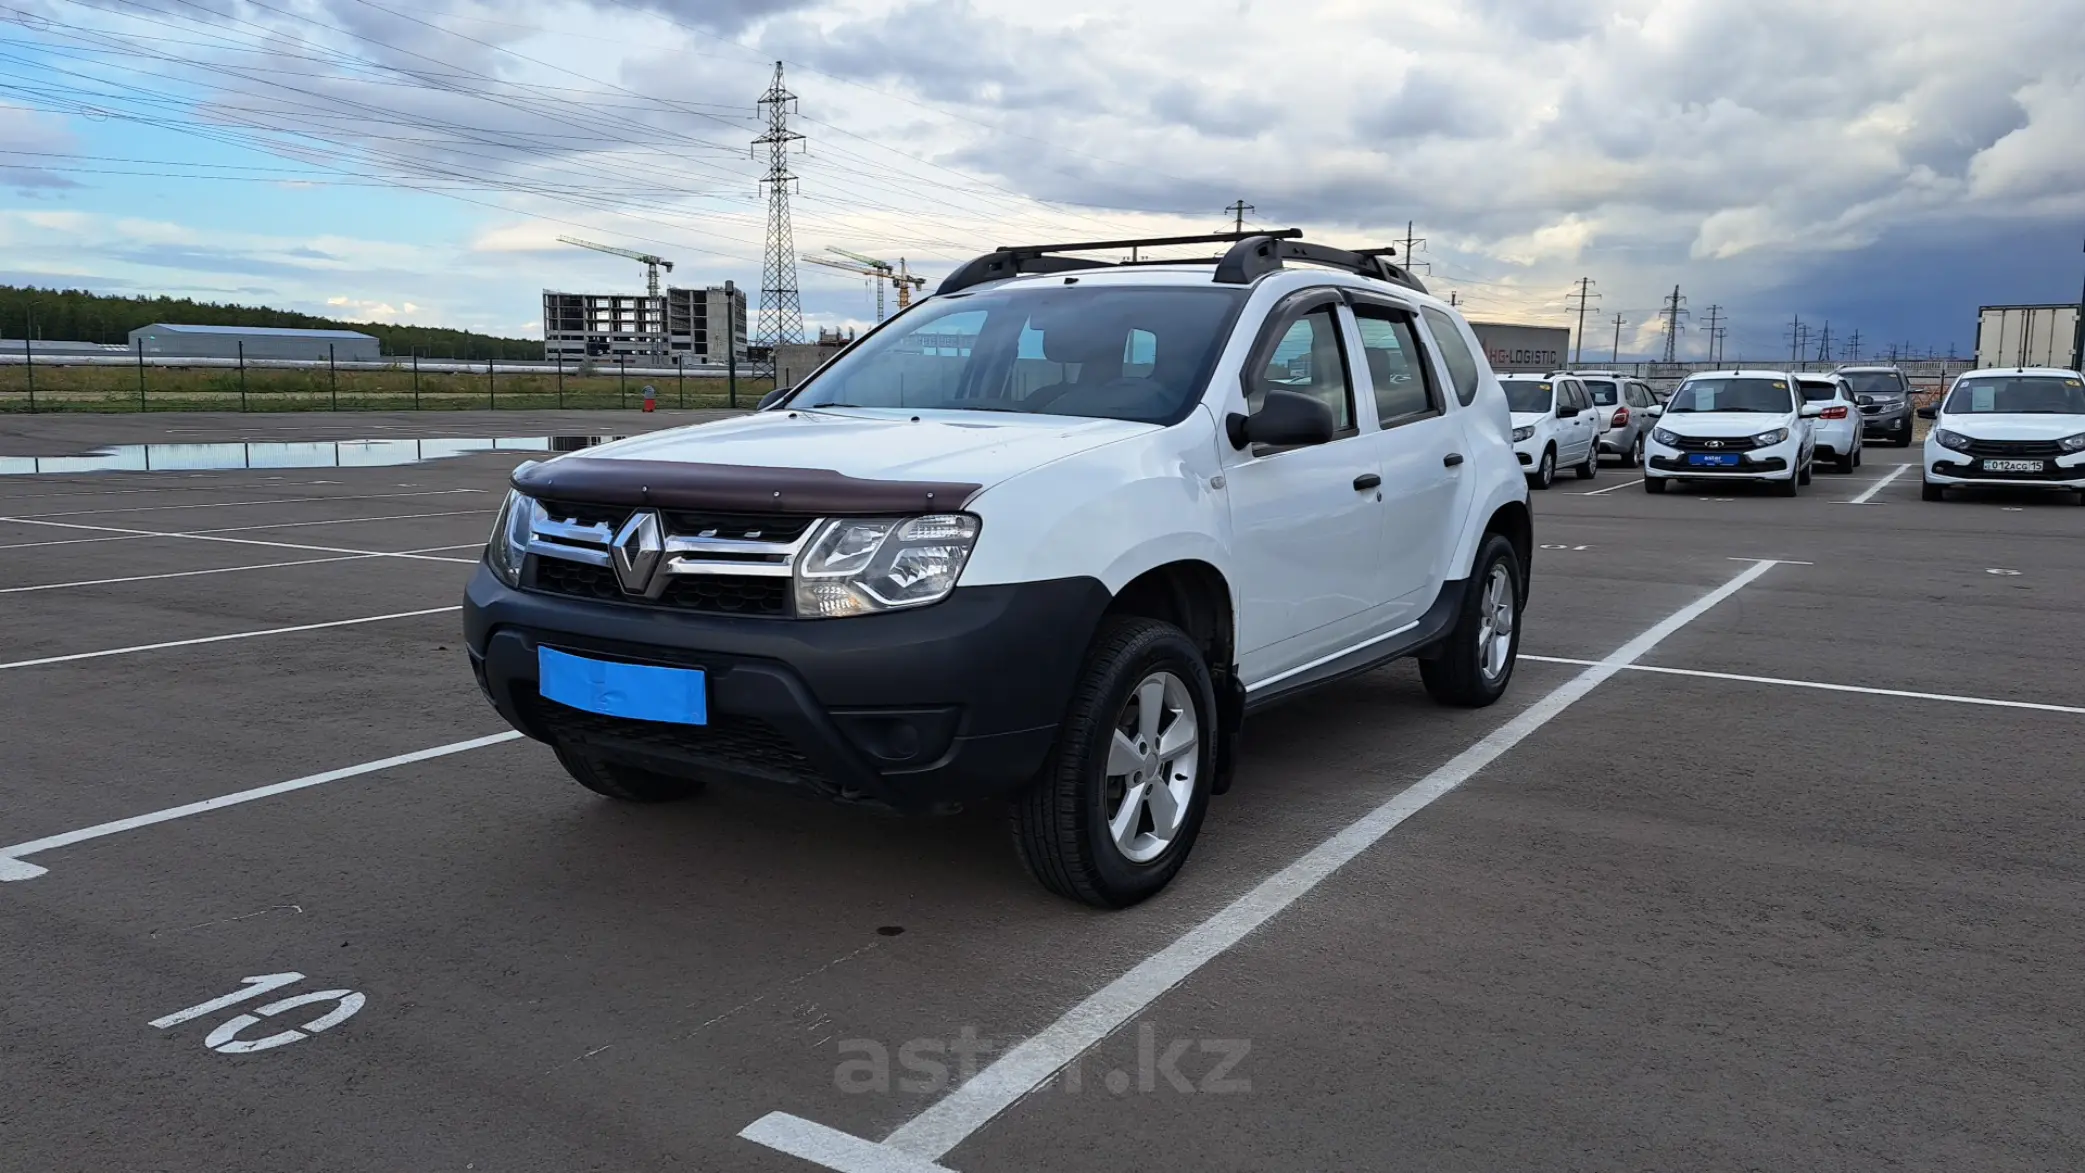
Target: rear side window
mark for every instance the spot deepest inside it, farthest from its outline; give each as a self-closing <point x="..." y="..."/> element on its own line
<point x="1817" y="392"/>
<point x="1396" y="366"/>
<point x="1603" y="392"/>
<point x="1462" y="365"/>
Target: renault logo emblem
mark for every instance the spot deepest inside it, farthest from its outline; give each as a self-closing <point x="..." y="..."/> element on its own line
<point x="636" y="551"/>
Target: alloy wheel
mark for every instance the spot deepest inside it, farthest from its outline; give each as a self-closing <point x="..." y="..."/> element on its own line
<point x="1495" y="620"/>
<point x="1153" y="762"/>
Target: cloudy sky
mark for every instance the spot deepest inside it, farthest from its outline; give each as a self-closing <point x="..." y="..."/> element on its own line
<point x="1883" y="166"/>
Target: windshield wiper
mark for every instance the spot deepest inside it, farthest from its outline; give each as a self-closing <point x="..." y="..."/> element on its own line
<point x="816" y="406"/>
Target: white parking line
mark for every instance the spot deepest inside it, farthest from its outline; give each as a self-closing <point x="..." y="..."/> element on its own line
<point x="234" y="504"/>
<point x="137" y="535"/>
<point x="1878" y="485"/>
<point x="207" y="537"/>
<point x="218" y="639"/>
<point x="53" y="586"/>
<point x="1950" y="698"/>
<point x="13" y="868"/>
<point x="1016" y="1073"/>
<point x="1611" y="488"/>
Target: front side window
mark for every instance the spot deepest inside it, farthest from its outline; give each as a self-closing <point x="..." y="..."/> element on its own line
<point x="1462" y="365"/>
<point x="1528" y="395"/>
<point x="1308" y="360"/>
<point x="1130" y="354"/>
<point x="1396" y="366"/>
<point x="1764" y="396"/>
<point x="2017" y="395"/>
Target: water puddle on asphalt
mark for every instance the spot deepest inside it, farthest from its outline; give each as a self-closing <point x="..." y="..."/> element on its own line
<point x="285" y="454"/>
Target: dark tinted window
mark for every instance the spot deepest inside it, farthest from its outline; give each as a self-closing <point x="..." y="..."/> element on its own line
<point x="1308" y="360"/>
<point x="1733" y="394"/>
<point x="1528" y="394"/>
<point x="1132" y="354"/>
<point x="1604" y="393"/>
<point x="1396" y="366"/>
<point x="1818" y="392"/>
<point x="1876" y="382"/>
<point x="1462" y="365"/>
<point x="2021" y="394"/>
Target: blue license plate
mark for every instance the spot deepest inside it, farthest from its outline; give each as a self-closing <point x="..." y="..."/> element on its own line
<point x="640" y="692"/>
<point x="1711" y="460"/>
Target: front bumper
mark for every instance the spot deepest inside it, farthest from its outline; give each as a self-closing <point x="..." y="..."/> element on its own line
<point x="953" y="702"/>
<point x="1777" y="463"/>
<point x="1529" y="451"/>
<point x="1947" y="467"/>
<point x="1893" y="423"/>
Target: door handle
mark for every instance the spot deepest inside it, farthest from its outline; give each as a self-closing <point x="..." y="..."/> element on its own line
<point x="1365" y="481"/>
<point x="1451" y="460"/>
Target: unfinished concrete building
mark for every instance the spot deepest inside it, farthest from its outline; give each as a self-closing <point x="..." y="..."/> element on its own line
<point x="683" y="327"/>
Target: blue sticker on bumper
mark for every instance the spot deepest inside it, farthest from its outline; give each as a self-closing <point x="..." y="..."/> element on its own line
<point x="640" y="692"/>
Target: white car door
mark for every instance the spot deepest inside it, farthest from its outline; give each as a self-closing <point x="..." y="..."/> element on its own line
<point x="1583" y="426"/>
<point x="1422" y="457"/>
<point x="1307" y="531"/>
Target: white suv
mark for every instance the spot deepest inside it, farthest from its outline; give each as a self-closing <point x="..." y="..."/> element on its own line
<point x="1836" y="432"/>
<point x="1047" y="536"/>
<point x="1733" y="425"/>
<point x="2020" y="428"/>
<point x="1554" y="424"/>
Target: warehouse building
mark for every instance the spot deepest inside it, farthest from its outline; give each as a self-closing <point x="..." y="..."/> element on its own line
<point x="170" y="340"/>
<point x="685" y="326"/>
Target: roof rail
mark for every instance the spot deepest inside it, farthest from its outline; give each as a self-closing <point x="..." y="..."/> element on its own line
<point x="1252" y="255"/>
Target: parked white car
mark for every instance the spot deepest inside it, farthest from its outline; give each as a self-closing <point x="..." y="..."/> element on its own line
<point x="2021" y="428"/>
<point x="1043" y="539"/>
<point x="1837" y="428"/>
<point x="1554" y="425"/>
<point x="1741" y="425"/>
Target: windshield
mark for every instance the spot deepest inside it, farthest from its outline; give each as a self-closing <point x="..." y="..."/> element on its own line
<point x="1768" y="396"/>
<point x="1603" y="392"/>
<point x="1818" y="392"/>
<point x="1527" y="394"/>
<point x="1876" y="382"/>
<point x="1125" y="353"/>
<point x="2018" y="394"/>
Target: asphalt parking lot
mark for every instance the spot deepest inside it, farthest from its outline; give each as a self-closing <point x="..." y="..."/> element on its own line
<point x="1769" y="860"/>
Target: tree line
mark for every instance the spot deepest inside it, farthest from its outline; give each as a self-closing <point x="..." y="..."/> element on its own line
<point x="75" y="315"/>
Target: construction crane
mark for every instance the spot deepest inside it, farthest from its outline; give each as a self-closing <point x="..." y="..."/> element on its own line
<point x="878" y="271"/>
<point x="651" y="264"/>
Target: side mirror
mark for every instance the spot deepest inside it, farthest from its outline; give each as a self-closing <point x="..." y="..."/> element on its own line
<point x="1566" y="412"/>
<point x="1929" y="413"/>
<point x="1810" y="411"/>
<point x="1654" y="411"/>
<point x="773" y="397"/>
<point x="1286" y="419"/>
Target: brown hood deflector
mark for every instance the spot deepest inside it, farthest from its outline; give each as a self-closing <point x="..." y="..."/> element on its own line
<point x="732" y="488"/>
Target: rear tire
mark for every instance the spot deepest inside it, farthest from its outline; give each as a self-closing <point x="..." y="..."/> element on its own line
<point x="1654" y="484"/>
<point x="1591" y="467"/>
<point x="1928" y="491"/>
<point x="1474" y="663"/>
<point x="1636" y="453"/>
<point x="1064" y="822"/>
<point x="622" y="782"/>
<point x="1846" y="463"/>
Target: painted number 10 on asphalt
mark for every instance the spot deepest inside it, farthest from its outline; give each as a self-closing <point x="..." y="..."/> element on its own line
<point x="226" y="1040"/>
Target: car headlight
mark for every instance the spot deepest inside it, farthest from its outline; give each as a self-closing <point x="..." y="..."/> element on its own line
<point x="1526" y="433"/>
<point x="1768" y="439"/>
<point x="860" y="565"/>
<point x="1953" y="440"/>
<point x="511" y="531"/>
<point x="1669" y="439"/>
<point x="2073" y="443"/>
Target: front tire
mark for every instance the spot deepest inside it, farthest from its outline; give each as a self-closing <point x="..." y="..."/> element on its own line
<point x="1545" y="473"/>
<point x="1928" y="491"/>
<point x="622" y="782"/>
<point x="1654" y="484"/>
<point x="1473" y="665"/>
<point x="1113" y="815"/>
<point x="1803" y="474"/>
<point x="1787" y="488"/>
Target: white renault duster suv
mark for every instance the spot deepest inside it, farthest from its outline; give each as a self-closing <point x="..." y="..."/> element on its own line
<point x="2020" y="428"/>
<point x="1046" y="537"/>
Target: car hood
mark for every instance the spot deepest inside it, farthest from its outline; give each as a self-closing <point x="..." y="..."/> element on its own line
<point x="955" y="446"/>
<point x="1522" y="419"/>
<point x="1722" y="425"/>
<point x="2013" y="427"/>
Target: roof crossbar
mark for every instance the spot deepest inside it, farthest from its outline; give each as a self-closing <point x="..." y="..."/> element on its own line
<point x="1252" y="255"/>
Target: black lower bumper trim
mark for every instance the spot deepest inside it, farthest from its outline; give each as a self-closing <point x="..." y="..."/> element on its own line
<point x="954" y="702"/>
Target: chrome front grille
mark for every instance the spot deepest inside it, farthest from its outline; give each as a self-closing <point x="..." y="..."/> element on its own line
<point x="733" y="564"/>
